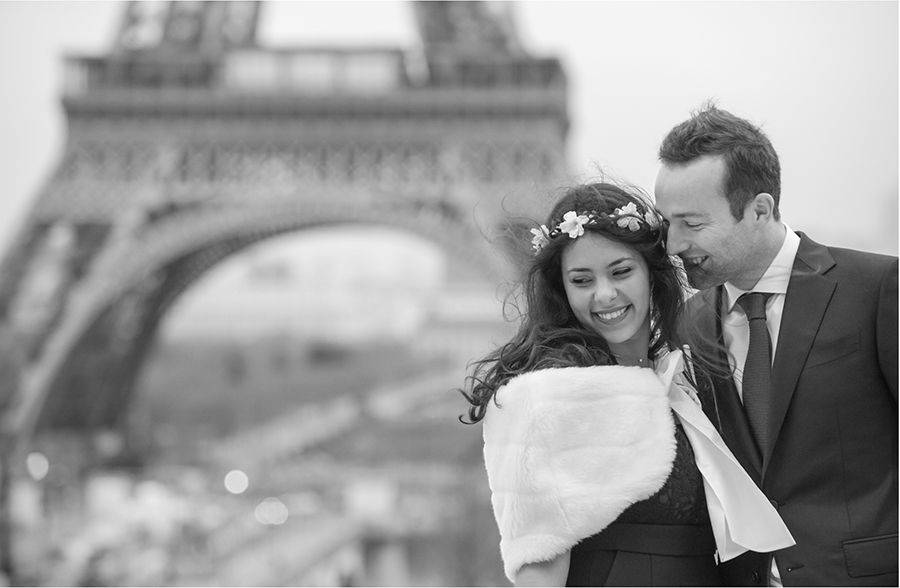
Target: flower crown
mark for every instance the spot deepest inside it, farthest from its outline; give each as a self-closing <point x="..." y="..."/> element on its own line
<point x="626" y="217"/>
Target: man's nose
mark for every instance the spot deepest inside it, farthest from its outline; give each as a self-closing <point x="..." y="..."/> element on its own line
<point x="675" y="243"/>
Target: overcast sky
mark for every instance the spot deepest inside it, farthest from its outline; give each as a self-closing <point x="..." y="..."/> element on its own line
<point x="820" y="77"/>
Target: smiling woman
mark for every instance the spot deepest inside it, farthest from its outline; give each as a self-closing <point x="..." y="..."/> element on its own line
<point x="600" y="286"/>
<point x="593" y="482"/>
<point x="606" y="284"/>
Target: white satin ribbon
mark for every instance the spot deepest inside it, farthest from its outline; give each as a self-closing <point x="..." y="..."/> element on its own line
<point x="742" y="517"/>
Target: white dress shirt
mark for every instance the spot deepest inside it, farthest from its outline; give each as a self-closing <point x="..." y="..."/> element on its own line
<point x="735" y="327"/>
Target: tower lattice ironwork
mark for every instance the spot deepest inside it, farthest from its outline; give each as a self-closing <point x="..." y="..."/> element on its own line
<point x="189" y="141"/>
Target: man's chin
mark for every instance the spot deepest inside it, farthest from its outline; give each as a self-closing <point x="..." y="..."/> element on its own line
<point x="700" y="280"/>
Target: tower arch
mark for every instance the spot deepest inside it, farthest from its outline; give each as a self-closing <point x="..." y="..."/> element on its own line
<point x="85" y="378"/>
<point x="188" y="142"/>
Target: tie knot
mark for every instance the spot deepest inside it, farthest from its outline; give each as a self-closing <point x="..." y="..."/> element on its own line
<point x="754" y="304"/>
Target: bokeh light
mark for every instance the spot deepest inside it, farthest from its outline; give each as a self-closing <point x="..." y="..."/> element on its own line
<point x="38" y="465"/>
<point x="236" y="481"/>
<point x="271" y="511"/>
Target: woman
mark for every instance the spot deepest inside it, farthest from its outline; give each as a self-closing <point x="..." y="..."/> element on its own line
<point x="593" y="480"/>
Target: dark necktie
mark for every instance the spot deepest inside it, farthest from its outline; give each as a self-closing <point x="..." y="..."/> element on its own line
<point x="757" y="379"/>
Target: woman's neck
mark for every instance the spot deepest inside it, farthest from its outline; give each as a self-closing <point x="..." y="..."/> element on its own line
<point x="634" y="351"/>
<point x="634" y="359"/>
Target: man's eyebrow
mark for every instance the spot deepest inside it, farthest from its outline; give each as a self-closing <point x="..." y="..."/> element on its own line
<point x="687" y="214"/>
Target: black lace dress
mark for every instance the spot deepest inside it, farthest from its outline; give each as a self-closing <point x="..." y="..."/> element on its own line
<point x="665" y="540"/>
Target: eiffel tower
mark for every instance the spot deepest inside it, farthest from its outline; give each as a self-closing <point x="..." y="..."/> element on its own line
<point x="189" y="141"/>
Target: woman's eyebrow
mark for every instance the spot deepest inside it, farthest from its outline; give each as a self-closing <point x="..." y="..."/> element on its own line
<point x="611" y="264"/>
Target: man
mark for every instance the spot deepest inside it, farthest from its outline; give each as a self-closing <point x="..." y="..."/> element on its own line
<point x="805" y="390"/>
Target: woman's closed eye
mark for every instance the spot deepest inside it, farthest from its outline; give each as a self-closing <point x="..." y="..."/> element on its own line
<point x="581" y="280"/>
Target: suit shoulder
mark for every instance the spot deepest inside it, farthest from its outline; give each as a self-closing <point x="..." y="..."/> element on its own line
<point x="853" y="261"/>
<point x="868" y="258"/>
<point x="862" y="264"/>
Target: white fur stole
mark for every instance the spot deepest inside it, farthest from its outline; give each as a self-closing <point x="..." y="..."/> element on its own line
<point x="567" y="450"/>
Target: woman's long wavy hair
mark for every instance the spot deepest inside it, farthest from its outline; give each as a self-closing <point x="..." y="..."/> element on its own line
<point x="549" y="334"/>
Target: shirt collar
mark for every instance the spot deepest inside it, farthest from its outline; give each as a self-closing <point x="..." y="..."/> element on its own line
<point x="777" y="275"/>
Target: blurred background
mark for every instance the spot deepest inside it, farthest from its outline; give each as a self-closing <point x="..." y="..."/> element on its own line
<point x="248" y="249"/>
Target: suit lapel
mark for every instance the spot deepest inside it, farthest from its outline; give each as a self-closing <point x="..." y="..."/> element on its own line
<point x="726" y="411"/>
<point x="807" y="298"/>
<point x="739" y="435"/>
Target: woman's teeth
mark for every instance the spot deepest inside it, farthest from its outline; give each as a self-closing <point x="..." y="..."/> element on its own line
<point x="608" y="316"/>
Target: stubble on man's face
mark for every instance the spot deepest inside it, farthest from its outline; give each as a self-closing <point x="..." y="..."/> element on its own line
<point x="714" y="246"/>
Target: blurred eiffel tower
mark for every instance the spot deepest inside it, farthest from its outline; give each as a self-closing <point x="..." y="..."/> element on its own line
<point x="188" y="142"/>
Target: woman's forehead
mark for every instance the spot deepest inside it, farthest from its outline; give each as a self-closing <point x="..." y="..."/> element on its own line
<point x="593" y="250"/>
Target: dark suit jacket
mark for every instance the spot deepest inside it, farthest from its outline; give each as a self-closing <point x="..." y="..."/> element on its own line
<point x="830" y="465"/>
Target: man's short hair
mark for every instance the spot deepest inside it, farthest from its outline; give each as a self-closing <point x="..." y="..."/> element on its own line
<point x="751" y="164"/>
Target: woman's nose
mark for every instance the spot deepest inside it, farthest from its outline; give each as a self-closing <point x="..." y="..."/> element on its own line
<point x="605" y="292"/>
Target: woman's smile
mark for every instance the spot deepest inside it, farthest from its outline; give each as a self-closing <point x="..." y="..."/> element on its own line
<point x="613" y="317"/>
<point x="608" y="288"/>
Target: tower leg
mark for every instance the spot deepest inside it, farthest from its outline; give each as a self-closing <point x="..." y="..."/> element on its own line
<point x="7" y="566"/>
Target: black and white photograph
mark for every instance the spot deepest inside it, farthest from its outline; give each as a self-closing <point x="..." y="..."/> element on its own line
<point x="449" y="293"/>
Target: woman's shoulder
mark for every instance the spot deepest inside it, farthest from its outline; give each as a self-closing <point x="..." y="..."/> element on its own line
<point x="538" y="406"/>
<point x="553" y="385"/>
<point x="673" y="369"/>
<point x="568" y="449"/>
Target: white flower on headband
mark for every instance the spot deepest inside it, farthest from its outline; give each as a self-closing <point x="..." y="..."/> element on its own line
<point x="629" y="217"/>
<point x="651" y="219"/>
<point x="573" y="224"/>
<point x="541" y="238"/>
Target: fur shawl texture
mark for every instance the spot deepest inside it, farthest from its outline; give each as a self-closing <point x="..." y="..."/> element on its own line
<point x="567" y="450"/>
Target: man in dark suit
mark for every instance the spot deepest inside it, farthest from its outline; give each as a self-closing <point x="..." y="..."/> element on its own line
<point x="805" y="373"/>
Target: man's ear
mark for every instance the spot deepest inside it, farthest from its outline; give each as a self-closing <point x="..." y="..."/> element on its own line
<point x="763" y="207"/>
